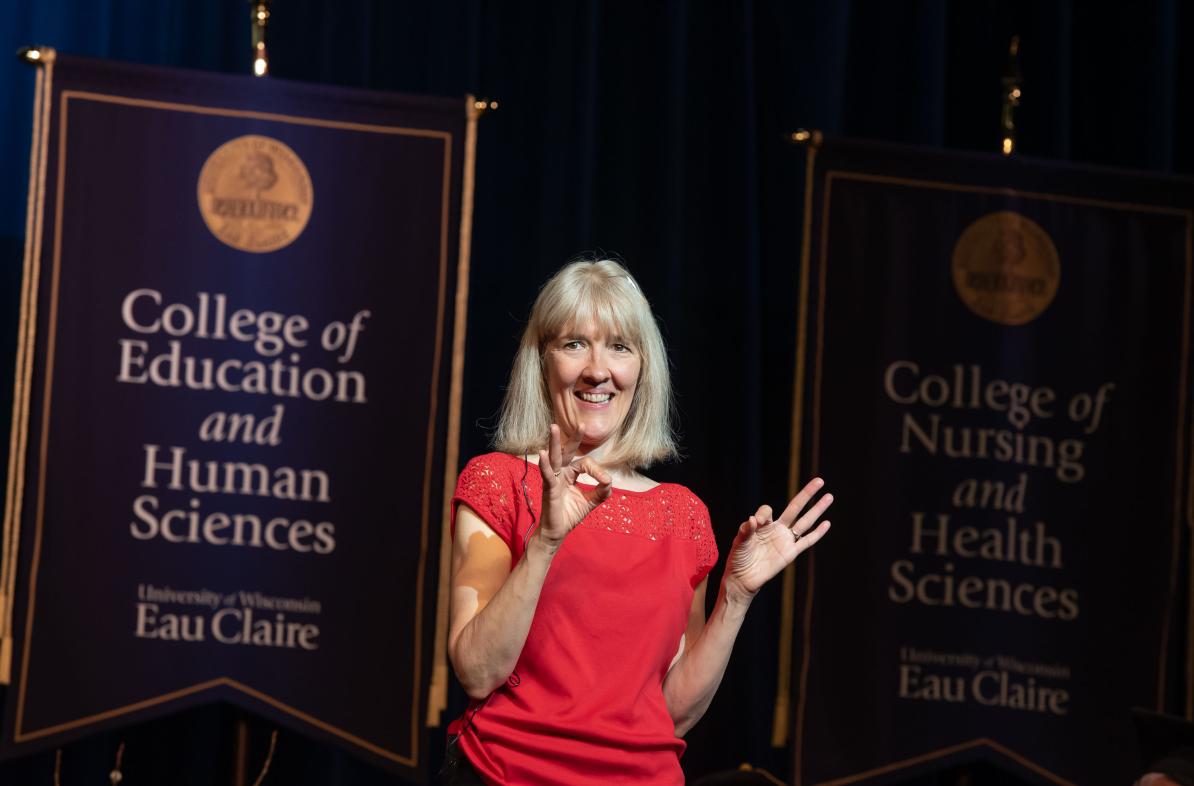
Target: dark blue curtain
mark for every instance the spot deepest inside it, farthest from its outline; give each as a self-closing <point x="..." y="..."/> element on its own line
<point x="656" y="131"/>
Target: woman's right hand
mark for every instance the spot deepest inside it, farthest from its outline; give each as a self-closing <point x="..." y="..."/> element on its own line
<point x="565" y="504"/>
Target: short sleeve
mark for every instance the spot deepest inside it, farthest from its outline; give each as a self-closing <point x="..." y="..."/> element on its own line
<point x="706" y="543"/>
<point x="484" y="485"/>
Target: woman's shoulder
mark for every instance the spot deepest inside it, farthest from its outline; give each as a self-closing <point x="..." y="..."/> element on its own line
<point x="685" y="495"/>
<point x="488" y="484"/>
<point x="495" y="461"/>
<point x="688" y="518"/>
<point x="492" y="469"/>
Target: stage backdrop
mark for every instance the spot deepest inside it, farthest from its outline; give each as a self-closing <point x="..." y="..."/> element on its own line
<point x="234" y="389"/>
<point x="994" y="380"/>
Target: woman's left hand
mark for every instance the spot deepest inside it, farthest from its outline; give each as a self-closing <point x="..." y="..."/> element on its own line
<point x="764" y="547"/>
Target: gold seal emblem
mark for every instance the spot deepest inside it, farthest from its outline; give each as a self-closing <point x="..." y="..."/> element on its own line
<point x="1005" y="268"/>
<point x="255" y="194"/>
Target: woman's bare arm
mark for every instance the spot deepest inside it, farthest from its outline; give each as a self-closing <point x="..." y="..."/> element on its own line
<point x="492" y="605"/>
<point x="761" y="550"/>
<point x="705" y="651"/>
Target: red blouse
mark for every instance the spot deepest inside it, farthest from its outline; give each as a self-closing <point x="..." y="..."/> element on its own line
<point x="585" y="703"/>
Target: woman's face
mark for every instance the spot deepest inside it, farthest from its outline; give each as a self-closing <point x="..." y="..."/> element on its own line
<point x="591" y="377"/>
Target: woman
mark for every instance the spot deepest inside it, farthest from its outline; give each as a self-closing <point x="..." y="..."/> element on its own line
<point x="578" y="584"/>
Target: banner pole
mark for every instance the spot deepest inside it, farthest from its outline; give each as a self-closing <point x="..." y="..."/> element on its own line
<point x="43" y="57"/>
<point x="437" y="694"/>
<point x="783" y="682"/>
<point x="240" y="755"/>
<point x="1189" y="708"/>
<point x="1189" y="515"/>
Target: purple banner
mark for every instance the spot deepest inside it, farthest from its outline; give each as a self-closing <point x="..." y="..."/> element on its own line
<point x="232" y="444"/>
<point x="997" y="386"/>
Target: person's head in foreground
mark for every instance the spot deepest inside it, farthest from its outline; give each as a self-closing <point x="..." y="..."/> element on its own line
<point x="593" y="362"/>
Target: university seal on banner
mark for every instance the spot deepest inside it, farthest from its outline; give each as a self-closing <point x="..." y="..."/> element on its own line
<point x="255" y="194"/>
<point x="1005" y="268"/>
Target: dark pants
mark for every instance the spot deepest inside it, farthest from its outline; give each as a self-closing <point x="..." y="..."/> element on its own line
<point x="457" y="771"/>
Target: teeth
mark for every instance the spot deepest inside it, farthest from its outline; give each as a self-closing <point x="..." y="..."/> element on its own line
<point x="596" y="398"/>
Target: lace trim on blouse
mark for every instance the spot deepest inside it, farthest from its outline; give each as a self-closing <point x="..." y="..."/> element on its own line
<point x="668" y="511"/>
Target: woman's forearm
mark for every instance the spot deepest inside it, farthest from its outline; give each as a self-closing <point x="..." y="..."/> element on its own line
<point x="691" y="683"/>
<point x="489" y="645"/>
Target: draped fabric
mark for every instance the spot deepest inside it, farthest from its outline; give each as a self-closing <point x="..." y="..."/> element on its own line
<point x="656" y="131"/>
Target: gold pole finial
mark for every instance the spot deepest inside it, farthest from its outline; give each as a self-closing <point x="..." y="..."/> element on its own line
<point x="260" y="18"/>
<point x="1012" y="82"/>
<point x="804" y="136"/>
<point x="483" y="105"/>
<point x="36" y="55"/>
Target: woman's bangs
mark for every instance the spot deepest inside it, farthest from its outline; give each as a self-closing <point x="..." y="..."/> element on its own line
<point x="597" y="308"/>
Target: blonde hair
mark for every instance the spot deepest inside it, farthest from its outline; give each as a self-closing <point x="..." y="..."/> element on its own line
<point x="604" y="293"/>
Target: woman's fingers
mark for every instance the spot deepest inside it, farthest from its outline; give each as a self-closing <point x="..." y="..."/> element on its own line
<point x="569" y="448"/>
<point x="788" y="517"/>
<point x="814" y="513"/>
<point x="746" y="529"/>
<point x="763" y="514"/>
<point x="588" y="466"/>
<point x="808" y="540"/>
<point x="558" y="463"/>
<point x="555" y="451"/>
<point x="549" y="476"/>
<point x="605" y="480"/>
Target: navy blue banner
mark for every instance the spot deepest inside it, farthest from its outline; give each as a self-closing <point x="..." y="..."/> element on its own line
<point x="233" y="396"/>
<point x="995" y="381"/>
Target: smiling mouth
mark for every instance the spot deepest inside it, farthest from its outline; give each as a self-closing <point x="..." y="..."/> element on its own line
<point x="594" y="398"/>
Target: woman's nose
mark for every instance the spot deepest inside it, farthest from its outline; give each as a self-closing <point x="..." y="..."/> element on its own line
<point x="596" y="371"/>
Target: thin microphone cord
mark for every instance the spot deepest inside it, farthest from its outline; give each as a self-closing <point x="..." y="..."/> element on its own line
<point x="526" y="494"/>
